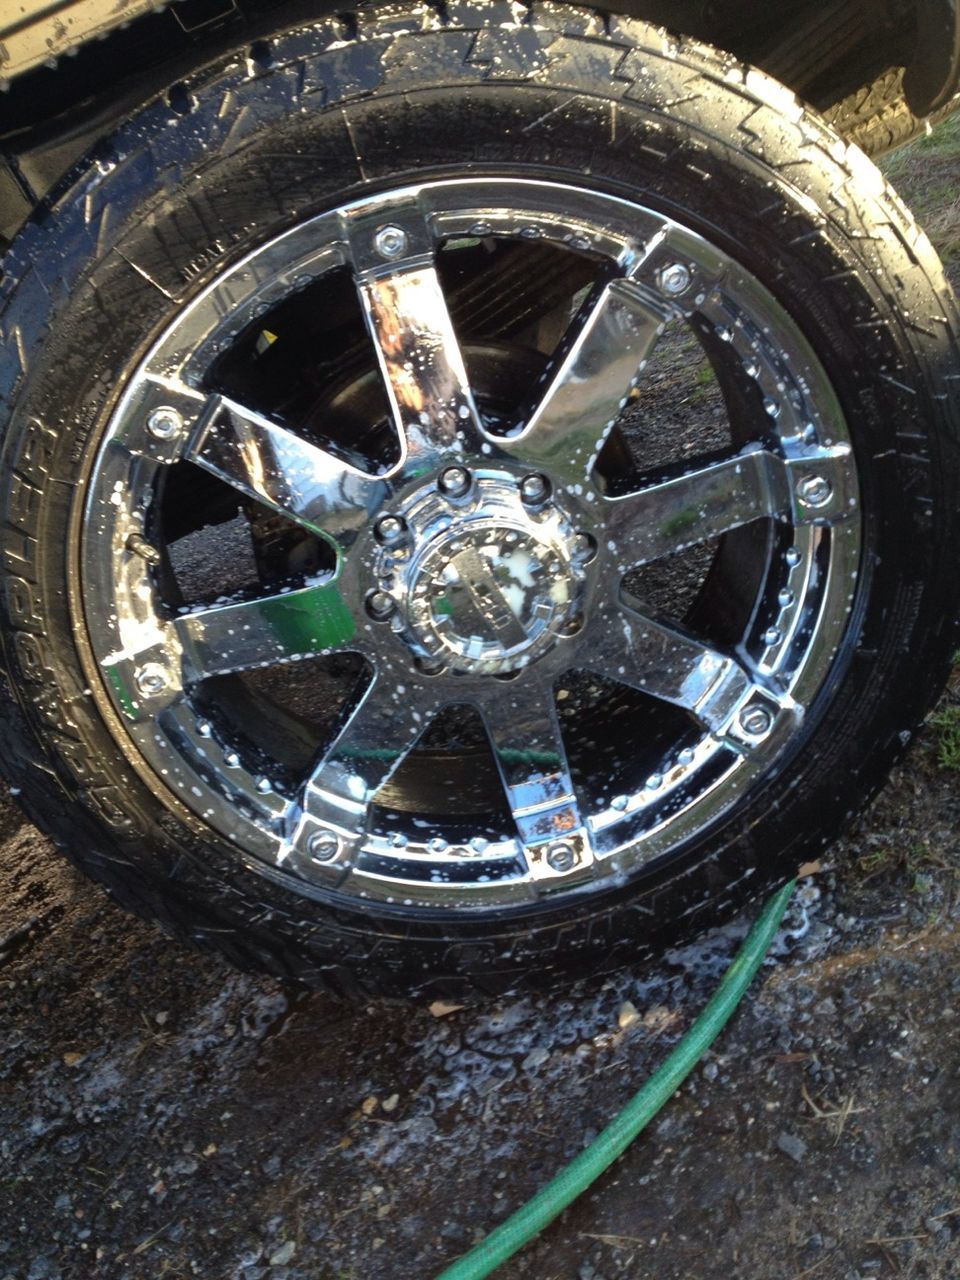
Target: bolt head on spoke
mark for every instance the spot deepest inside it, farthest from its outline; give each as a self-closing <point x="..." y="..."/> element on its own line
<point x="675" y="279"/>
<point x="323" y="846"/>
<point x="151" y="679"/>
<point x="534" y="489"/>
<point x="164" y="423"/>
<point x="814" y="491"/>
<point x="454" y="481"/>
<point x="390" y="242"/>
<point x="562" y="857"/>
<point x="391" y="530"/>
<point x="756" y="720"/>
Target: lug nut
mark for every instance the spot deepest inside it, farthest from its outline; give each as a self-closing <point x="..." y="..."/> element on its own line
<point x="584" y="547"/>
<point x="390" y="530"/>
<point x="562" y="857"/>
<point x="674" y="279"/>
<point x="454" y="481"/>
<point x="756" y="720"/>
<point x="814" y="491"/>
<point x="164" y="423"/>
<point x="380" y="605"/>
<point x="323" y="846"/>
<point x="430" y="666"/>
<point x="151" y="679"/>
<point x="534" y="489"/>
<point x="390" y="242"/>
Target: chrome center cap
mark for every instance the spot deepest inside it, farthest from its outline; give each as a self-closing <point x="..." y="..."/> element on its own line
<point x="490" y="597"/>
<point x="484" y="585"/>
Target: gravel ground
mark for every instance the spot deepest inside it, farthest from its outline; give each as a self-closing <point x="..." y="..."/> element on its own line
<point x="163" y="1116"/>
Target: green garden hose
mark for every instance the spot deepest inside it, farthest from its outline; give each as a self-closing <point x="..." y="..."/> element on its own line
<point x="581" y="1172"/>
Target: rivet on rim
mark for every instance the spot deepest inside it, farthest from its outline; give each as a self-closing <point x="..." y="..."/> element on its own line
<point x="323" y="846"/>
<point x="756" y="720"/>
<point x="390" y="242"/>
<point x="814" y="491"/>
<point x="562" y="856"/>
<point x="165" y="423"/>
<point x="675" y="279"/>
<point x="151" y="679"/>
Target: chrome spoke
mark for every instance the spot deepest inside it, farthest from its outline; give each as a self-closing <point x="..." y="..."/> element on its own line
<point x="258" y="633"/>
<point x="669" y="664"/>
<point x="417" y="348"/>
<point x="714" y="497"/>
<point x="524" y="730"/>
<point x="276" y="467"/>
<point x="377" y="735"/>
<point x="610" y="346"/>
<point x="681" y="510"/>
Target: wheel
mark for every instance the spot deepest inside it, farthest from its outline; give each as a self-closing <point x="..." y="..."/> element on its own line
<point x="479" y="495"/>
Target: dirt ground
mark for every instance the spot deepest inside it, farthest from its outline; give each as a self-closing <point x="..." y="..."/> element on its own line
<point x="163" y="1116"/>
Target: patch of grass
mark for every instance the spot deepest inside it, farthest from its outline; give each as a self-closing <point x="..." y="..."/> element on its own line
<point x="877" y="860"/>
<point x="947" y="725"/>
<point x="927" y="175"/>
<point x="918" y="863"/>
<point x="703" y="382"/>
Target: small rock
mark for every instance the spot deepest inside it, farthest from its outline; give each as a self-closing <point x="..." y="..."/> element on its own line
<point x="280" y="1257"/>
<point x="390" y="1104"/>
<point x="441" y="1008"/>
<point x="628" y="1015"/>
<point x="792" y="1146"/>
<point x="43" y="1269"/>
<point x="369" y="1105"/>
<point x="537" y="1056"/>
<point x="659" y="1019"/>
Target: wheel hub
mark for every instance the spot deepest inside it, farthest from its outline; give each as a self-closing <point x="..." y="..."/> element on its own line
<point x="482" y="581"/>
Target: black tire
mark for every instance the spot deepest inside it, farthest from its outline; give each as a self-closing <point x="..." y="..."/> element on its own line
<point x="261" y="140"/>
<point x="878" y="118"/>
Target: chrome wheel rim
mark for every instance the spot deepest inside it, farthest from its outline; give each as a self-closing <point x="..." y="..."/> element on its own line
<point x="483" y="562"/>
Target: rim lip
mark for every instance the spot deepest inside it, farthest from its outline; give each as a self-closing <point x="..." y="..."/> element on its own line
<point x="620" y="854"/>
